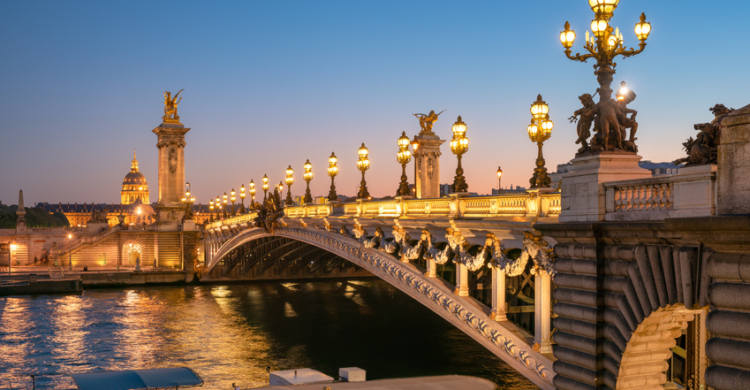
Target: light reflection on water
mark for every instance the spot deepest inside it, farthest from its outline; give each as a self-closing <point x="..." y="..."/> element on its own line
<point x="232" y="333"/>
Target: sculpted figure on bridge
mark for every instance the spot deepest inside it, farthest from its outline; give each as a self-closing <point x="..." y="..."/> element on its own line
<point x="426" y="121"/>
<point x="610" y="120"/>
<point x="704" y="148"/>
<point x="170" y="107"/>
<point x="269" y="212"/>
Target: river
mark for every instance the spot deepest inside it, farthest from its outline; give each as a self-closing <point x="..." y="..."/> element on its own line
<point x="232" y="333"/>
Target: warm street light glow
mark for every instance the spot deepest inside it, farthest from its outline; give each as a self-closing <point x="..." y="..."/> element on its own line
<point x="499" y="177"/>
<point x="333" y="170"/>
<point x="252" y="193"/>
<point x="415" y="144"/>
<point x="70" y="236"/>
<point x="539" y="131"/>
<point x="289" y="181"/>
<point x="265" y="187"/>
<point x="307" y="176"/>
<point x="459" y="145"/>
<point x="642" y="28"/>
<point x="403" y="157"/>
<point x="363" y="164"/>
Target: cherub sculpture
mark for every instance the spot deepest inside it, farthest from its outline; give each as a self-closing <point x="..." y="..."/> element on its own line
<point x="586" y="115"/>
<point x="610" y="119"/>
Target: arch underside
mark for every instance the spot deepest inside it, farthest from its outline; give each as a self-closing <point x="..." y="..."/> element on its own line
<point x="619" y="311"/>
<point x="274" y="256"/>
<point x="467" y="314"/>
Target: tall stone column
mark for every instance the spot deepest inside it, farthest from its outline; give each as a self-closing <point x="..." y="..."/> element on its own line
<point x="171" y="144"/>
<point x="427" y="160"/>
<point x="543" y="312"/>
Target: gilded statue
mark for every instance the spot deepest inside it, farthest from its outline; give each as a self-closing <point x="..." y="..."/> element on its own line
<point x="704" y="148"/>
<point x="426" y="121"/>
<point x="170" y="107"/>
<point x="610" y="122"/>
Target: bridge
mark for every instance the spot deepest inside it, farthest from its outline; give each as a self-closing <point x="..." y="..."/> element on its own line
<point x="452" y="255"/>
<point x="619" y="279"/>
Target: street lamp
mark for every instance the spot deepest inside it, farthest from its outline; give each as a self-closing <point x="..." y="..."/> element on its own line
<point x="218" y="206"/>
<point x="540" y="130"/>
<point x="403" y="157"/>
<point x="499" y="176"/>
<point x="225" y="205"/>
<point x="308" y="175"/>
<point x="211" y="207"/>
<point x="459" y="146"/>
<point x="188" y="200"/>
<point x="265" y="187"/>
<point x="242" y="197"/>
<point x="233" y="198"/>
<point x="604" y="46"/>
<point x="281" y="190"/>
<point x="289" y="181"/>
<point x="252" y="194"/>
<point x="333" y="170"/>
<point x="70" y="255"/>
<point x="415" y="146"/>
<point x="363" y="164"/>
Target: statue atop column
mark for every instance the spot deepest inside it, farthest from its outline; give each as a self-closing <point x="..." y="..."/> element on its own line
<point x="704" y="148"/>
<point x="426" y="121"/>
<point x="610" y="122"/>
<point x="170" y="107"/>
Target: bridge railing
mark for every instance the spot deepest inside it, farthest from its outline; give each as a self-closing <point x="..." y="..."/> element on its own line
<point x="240" y="219"/>
<point x="692" y="192"/>
<point x="514" y="205"/>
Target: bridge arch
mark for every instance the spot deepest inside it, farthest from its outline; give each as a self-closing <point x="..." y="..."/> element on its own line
<point x="619" y="311"/>
<point x="464" y="313"/>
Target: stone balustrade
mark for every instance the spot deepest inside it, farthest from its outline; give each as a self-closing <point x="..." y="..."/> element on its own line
<point x="512" y="205"/>
<point x="690" y="193"/>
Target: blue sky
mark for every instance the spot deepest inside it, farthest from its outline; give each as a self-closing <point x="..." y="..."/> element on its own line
<point x="273" y="83"/>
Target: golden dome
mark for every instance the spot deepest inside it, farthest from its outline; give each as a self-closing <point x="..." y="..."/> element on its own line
<point x="134" y="186"/>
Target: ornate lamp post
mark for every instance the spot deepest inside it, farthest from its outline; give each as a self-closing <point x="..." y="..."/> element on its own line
<point x="363" y="164"/>
<point x="604" y="46"/>
<point x="242" y="197"/>
<point x="233" y="198"/>
<point x="289" y="181"/>
<point x="415" y="146"/>
<point x="218" y="207"/>
<point x="265" y="187"/>
<point x="459" y="146"/>
<point x="403" y="157"/>
<point x="211" y="207"/>
<point x="499" y="176"/>
<point x="540" y="130"/>
<point x="281" y="190"/>
<point x="252" y="194"/>
<point x="188" y="200"/>
<point x="308" y="175"/>
<point x="225" y="205"/>
<point x="70" y="256"/>
<point x="333" y="170"/>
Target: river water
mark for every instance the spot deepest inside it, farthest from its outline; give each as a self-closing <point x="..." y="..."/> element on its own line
<point x="232" y="333"/>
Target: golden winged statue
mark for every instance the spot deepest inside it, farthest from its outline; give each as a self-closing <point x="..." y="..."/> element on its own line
<point x="170" y="107"/>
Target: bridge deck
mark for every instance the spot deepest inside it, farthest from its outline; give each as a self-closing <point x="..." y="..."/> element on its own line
<point x="453" y="382"/>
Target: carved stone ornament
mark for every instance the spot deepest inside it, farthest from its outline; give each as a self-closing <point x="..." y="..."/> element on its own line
<point x="610" y="121"/>
<point x="500" y="261"/>
<point x="538" y="250"/>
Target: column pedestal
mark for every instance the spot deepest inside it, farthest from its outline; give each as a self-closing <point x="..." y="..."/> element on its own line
<point x="427" y="160"/>
<point x="171" y="144"/>
<point x="582" y="189"/>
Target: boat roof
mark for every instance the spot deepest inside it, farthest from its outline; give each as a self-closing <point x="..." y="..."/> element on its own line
<point x="155" y="378"/>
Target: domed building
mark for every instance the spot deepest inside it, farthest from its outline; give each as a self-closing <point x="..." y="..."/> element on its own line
<point x="134" y="186"/>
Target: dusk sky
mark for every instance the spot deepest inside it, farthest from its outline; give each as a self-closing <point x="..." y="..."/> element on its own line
<point x="273" y="83"/>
